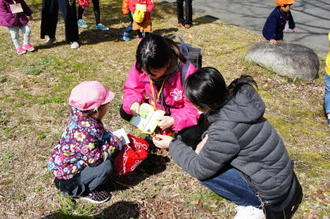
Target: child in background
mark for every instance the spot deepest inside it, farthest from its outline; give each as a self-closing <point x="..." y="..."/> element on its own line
<point x="138" y="9"/>
<point x="128" y="29"/>
<point x="276" y="21"/>
<point x="96" y="7"/>
<point x="15" y="14"/>
<point x="81" y="160"/>
<point x="327" y="84"/>
<point x="155" y="78"/>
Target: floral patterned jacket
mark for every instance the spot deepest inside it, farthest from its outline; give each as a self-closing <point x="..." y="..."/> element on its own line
<point x="85" y="142"/>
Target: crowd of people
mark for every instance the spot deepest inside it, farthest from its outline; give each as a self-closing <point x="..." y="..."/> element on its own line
<point x="15" y="14"/>
<point x="218" y="133"/>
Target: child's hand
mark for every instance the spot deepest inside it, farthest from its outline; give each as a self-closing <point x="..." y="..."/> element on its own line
<point x="294" y="30"/>
<point x="166" y="122"/>
<point x="119" y="145"/>
<point x="273" y="42"/>
<point x="30" y="17"/>
<point x="135" y="109"/>
<point x="162" y="141"/>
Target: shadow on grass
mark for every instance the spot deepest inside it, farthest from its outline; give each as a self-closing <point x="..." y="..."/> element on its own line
<point x="120" y="210"/>
<point x="90" y="37"/>
<point x="154" y="164"/>
<point x="165" y="31"/>
<point x="206" y="19"/>
<point x="55" y="44"/>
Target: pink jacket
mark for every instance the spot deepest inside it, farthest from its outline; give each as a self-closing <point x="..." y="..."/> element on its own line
<point x="137" y="89"/>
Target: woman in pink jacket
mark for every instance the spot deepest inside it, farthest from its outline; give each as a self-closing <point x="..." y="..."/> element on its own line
<point x="155" y="78"/>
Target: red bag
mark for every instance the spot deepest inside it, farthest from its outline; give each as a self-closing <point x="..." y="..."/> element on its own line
<point x="131" y="155"/>
<point x="84" y="3"/>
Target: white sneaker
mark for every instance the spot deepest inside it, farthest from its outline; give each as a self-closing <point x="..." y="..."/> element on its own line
<point x="49" y="42"/>
<point x="249" y="212"/>
<point x="74" y="45"/>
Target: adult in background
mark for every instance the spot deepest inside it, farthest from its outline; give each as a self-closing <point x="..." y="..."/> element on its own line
<point x="184" y="13"/>
<point x="49" y="18"/>
<point x="241" y="157"/>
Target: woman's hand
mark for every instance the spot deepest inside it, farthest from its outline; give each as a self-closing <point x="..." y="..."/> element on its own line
<point x="166" y="122"/>
<point x="135" y="109"/>
<point x="162" y="141"/>
<point x="30" y="17"/>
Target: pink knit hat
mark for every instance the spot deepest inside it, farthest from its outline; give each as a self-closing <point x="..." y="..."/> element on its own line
<point x="90" y="95"/>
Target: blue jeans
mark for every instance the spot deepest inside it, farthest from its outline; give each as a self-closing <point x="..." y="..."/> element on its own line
<point x="327" y="93"/>
<point x="14" y="33"/>
<point x="129" y="28"/>
<point x="87" y="181"/>
<point x="230" y="185"/>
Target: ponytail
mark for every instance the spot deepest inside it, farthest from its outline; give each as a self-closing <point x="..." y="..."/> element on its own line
<point x="236" y="84"/>
<point x="155" y="52"/>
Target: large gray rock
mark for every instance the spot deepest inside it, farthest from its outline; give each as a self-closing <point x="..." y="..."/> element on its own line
<point x="286" y="59"/>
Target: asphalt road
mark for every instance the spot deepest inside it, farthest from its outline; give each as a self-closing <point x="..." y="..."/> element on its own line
<point x="312" y="18"/>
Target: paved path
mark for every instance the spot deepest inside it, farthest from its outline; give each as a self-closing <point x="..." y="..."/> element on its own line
<point x="312" y="18"/>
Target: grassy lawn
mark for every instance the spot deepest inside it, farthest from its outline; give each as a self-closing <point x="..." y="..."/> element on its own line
<point x="33" y="112"/>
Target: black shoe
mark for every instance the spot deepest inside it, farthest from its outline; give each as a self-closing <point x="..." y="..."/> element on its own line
<point x="97" y="196"/>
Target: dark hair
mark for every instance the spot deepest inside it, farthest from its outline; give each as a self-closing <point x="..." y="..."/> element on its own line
<point x="154" y="52"/>
<point x="286" y="5"/>
<point x="91" y="112"/>
<point x="207" y="89"/>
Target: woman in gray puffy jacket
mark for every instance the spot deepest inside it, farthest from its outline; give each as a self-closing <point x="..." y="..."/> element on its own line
<point x="241" y="156"/>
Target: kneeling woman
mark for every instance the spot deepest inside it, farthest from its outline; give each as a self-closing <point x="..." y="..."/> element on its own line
<point x="241" y="158"/>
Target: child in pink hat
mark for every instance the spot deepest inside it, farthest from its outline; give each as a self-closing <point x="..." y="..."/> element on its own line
<point x="81" y="160"/>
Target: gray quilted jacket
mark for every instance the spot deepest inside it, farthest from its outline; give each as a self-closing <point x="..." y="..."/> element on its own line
<point x="240" y="136"/>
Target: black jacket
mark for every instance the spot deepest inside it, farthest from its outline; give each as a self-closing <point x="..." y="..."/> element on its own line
<point x="240" y="136"/>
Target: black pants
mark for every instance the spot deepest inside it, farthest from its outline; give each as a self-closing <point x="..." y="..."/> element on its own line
<point x="191" y="136"/>
<point x="184" y="13"/>
<point x="96" y="8"/>
<point x="49" y="18"/>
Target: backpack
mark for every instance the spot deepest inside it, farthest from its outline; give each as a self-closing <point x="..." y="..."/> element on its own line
<point x="192" y="54"/>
